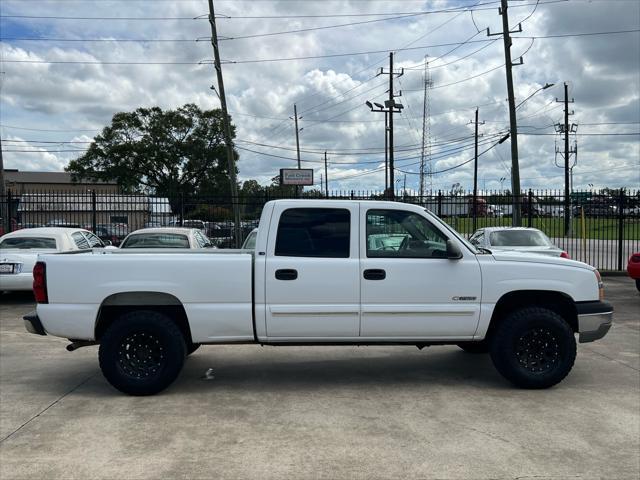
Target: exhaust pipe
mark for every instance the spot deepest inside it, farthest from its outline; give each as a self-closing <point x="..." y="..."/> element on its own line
<point x="79" y="344"/>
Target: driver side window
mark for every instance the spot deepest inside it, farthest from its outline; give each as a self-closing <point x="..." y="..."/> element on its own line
<point x="403" y="234"/>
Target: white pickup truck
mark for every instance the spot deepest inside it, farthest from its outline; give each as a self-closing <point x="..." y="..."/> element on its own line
<point x="323" y="272"/>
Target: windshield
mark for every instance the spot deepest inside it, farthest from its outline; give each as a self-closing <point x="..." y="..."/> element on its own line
<point x="156" y="240"/>
<point x="519" y="238"/>
<point x="25" y="243"/>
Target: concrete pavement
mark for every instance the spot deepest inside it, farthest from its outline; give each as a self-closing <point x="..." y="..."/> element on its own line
<point x="321" y="412"/>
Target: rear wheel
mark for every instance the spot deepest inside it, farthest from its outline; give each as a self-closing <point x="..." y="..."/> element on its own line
<point x="533" y="348"/>
<point x="638" y="284"/>
<point x="142" y="352"/>
<point x="475" y="347"/>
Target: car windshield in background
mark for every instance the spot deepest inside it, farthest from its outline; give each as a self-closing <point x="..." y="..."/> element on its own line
<point x="25" y="243"/>
<point x="519" y="238"/>
<point x="156" y="240"/>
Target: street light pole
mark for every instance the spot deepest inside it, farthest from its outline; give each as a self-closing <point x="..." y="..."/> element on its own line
<point x="388" y="109"/>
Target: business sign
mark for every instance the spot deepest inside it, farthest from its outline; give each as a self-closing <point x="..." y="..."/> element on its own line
<point x="296" y="176"/>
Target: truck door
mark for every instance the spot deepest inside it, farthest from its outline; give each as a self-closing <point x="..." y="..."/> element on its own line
<point x="312" y="273"/>
<point x="409" y="289"/>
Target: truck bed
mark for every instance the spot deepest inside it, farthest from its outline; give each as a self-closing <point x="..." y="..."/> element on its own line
<point x="214" y="287"/>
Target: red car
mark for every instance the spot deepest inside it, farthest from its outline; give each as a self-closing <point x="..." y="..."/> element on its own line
<point x="633" y="268"/>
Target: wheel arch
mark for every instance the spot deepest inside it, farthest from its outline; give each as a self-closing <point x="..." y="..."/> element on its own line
<point x="118" y="304"/>
<point x="558" y="302"/>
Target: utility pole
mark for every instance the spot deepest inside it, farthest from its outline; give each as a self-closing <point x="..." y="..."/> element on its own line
<point x="386" y="151"/>
<point x="227" y="128"/>
<point x="4" y="201"/>
<point x="295" y="118"/>
<point x="566" y="129"/>
<point x="475" y="174"/>
<point x="515" y="166"/>
<point x="390" y="107"/>
<point x="326" y="176"/>
<point x="404" y="186"/>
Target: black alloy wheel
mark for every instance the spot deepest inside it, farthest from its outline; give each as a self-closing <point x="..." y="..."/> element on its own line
<point x="533" y="347"/>
<point x="142" y="352"/>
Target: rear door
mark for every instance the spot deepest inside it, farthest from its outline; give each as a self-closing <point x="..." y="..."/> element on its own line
<point x="312" y="285"/>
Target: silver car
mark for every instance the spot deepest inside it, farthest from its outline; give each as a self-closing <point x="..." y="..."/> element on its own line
<point x="520" y="239"/>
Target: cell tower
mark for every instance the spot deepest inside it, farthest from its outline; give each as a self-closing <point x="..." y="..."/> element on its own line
<point x="425" y="156"/>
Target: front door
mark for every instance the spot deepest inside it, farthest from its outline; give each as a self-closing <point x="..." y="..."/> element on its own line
<point x="409" y="289"/>
<point x="312" y="273"/>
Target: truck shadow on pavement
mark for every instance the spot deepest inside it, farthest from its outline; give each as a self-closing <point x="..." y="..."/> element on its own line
<point x="443" y="367"/>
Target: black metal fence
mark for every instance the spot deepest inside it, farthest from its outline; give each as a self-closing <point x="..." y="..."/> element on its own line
<point x="600" y="228"/>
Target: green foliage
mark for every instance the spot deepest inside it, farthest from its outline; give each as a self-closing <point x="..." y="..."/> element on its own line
<point x="168" y="152"/>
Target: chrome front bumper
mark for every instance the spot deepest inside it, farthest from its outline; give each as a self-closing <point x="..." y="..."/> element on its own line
<point x="594" y="320"/>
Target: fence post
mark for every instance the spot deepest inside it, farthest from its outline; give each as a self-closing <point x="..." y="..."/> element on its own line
<point x="475" y="210"/>
<point x="93" y="211"/>
<point x="9" y="211"/>
<point x="530" y="208"/>
<point x="181" y="207"/>
<point x="439" y="203"/>
<point x="620" y="227"/>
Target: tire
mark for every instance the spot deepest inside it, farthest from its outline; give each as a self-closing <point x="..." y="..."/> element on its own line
<point x="192" y="347"/>
<point x="149" y="365"/>
<point x="533" y="348"/>
<point x="475" y="347"/>
<point x="638" y="284"/>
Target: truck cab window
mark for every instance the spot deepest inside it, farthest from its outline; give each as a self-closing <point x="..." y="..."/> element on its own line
<point x="402" y="234"/>
<point x="314" y="232"/>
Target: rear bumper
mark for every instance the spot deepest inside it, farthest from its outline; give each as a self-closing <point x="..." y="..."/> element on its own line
<point x="18" y="281"/>
<point x="594" y="320"/>
<point x="33" y="324"/>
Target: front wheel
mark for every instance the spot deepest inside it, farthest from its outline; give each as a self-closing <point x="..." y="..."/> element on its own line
<point x="638" y="284"/>
<point x="142" y="352"/>
<point x="533" y="348"/>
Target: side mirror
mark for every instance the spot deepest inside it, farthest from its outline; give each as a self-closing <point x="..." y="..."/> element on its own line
<point x="107" y="243"/>
<point x="453" y="251"/>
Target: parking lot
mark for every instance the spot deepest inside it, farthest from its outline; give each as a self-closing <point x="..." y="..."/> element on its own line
<point x="320" y="412"/>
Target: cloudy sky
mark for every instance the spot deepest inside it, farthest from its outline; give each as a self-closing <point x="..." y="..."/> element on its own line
<point x="69" y="65"/>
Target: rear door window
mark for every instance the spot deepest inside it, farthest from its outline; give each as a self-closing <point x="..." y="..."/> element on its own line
<point x="314" y="232"/>
<point x="80" y="241"/>
<point x="93" y="240"/>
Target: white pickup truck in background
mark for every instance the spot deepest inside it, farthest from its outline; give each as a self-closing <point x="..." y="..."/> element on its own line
<point x="322" y="272"/>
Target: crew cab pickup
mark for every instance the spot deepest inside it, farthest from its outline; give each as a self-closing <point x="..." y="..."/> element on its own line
<point x="322" y="272"/>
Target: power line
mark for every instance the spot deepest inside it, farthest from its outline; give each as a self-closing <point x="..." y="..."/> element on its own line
<point x="325" y="27"/>
<point x="90" y="40"/>
<point x="309" y="57"/>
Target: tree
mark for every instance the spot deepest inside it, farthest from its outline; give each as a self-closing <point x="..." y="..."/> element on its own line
<point x="166" y="152"/>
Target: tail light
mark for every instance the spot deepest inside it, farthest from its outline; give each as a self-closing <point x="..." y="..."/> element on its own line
<point x="635" y="258"/>
<point x="40" y="283"/>
<point x="565" y="255"/>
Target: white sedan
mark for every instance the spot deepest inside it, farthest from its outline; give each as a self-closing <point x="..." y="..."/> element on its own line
<point x="19" y="251"/>
<point x="519" y="239"/>
<point x="171" y="237"/>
